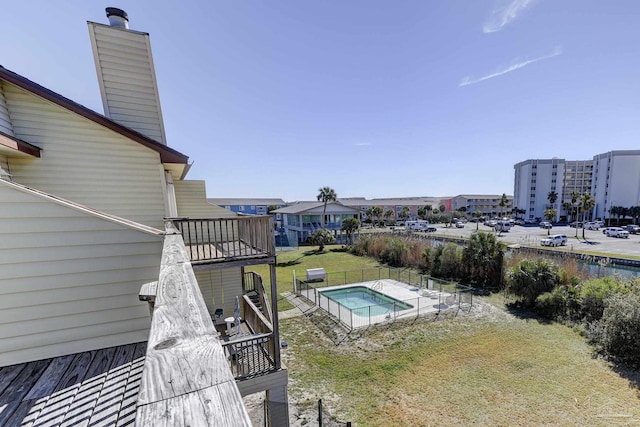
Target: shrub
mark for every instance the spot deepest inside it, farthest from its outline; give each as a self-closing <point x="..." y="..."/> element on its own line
<point x="562" y="304"/>
<point x="483" y="258"/>
<point x="530" y="279"/>
<point x="617" y="334"/>
<point x="593" y="294"/>
<point x="447" y="261"/>
<point x="394" y="253"/>
<point x="321" y="238"/>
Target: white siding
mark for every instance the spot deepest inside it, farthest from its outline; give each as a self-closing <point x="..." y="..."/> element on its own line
<point x="69" y="281"/>
<point x="5" y="120"/>
<point x="219" y="289"/>
<point x="127" y="79"/>
<point x="4" y="163"/>
<point x="191" y="198"/>
<point x="85" y="162"/>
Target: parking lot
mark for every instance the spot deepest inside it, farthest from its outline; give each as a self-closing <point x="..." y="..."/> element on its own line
<point x="595" y="240"/>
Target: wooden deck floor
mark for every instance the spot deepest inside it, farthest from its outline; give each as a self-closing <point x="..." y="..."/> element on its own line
<point x="95" y="388"/>
<point x="222" y="251"/>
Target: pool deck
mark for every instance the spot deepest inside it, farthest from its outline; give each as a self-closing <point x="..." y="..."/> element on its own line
<point x="424" y="301"/>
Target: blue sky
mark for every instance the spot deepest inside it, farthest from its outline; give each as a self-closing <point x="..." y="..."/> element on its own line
<point x="372" y="98"/>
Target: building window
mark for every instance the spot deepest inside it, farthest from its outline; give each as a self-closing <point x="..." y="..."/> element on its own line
<point x="253" y="208"/>
<point x="241" y="208"/>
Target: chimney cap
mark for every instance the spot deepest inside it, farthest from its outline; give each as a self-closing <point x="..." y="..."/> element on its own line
<point x="114" y="11"/>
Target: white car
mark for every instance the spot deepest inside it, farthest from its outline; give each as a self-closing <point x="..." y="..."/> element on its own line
<point x="555" y="240"/>
<point x="617" y="232"/>
<point x="592" y="225"/>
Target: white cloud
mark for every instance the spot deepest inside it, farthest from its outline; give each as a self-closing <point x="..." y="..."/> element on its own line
<point x="362" y="144"/>
<point x="505" y="14"/>
<point x="516" y="65"/>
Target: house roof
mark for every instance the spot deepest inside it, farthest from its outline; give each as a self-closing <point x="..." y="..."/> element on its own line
<point x="90" y="211"/>
<point x="167" y="154"/>
<point x="300" y="207"/>
<point x="244" y="202"/>
<point x="413" y="201"/>
<point x="482" y="196"/>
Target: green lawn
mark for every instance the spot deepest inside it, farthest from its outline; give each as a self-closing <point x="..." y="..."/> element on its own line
<point x="485" y="369"/>
<point x="332" y="259"/>
<point x="488" y="370"/>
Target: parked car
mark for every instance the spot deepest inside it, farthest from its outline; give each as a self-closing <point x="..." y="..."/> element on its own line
<point x="592" y="225"/>
<point x="430" y="229"/>
<point x="519" y="222"/>
<point x="576" y="224"/>
<point x="555" y="240"/>
<point x="604" y="230"/>
<point x="632" y="229"/>
<point x="530" y="221"/>
<point x="546" y="225"/>
<point x="617" y="232"/>
<point x="459" y="224"/>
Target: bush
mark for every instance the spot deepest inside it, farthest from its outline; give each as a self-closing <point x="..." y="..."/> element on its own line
<point x="395" y="253"/>
<point x="483" y="259"/>
<point x="321" y="238"/>
<point x="594" y="293"/>
<point x="447" y="262"/>
<point x="530" y="279"/>
<point x="562" y="304"/>
<point x="617" y="334"/>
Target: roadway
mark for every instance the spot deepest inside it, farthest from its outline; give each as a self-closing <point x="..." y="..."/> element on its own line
<point x="595" y="241"/>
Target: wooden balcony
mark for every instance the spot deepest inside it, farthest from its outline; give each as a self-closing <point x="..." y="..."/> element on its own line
<point x="188" y="361"/>
<point x="186" y="379"/>
<point x="239" y="241"/>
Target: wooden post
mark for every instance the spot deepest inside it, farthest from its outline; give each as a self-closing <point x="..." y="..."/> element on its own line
<point x="148" y="293"/>
<point x="319" y="412"/>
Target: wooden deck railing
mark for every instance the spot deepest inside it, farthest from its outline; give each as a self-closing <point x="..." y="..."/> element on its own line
<point x="186" y="378"/>
<point x="224" y="239"/>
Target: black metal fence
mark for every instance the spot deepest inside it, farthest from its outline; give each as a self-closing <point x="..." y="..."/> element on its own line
<point x="432" y="295"/>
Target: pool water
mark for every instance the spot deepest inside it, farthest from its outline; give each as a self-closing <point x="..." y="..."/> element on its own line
<point x="363" y="301"/>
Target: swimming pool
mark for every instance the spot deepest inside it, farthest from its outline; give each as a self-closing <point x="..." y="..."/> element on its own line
<point x="365" y="302"/>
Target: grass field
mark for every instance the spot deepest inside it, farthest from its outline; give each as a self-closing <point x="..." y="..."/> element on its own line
<point x="462" y="371"/>
<point x="487" y="368"/>
<point x="332" y="259"/>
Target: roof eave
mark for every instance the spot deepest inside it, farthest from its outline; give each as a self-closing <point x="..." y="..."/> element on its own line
<point x="167" y="154"/>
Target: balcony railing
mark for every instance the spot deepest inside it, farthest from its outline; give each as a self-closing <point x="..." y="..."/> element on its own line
<point x="210" y="240"/>
<point x="185" y="365"/>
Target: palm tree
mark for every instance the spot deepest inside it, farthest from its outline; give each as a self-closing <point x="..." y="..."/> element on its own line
<point x="552" y="196"/>
<point x="567" y="206"/>
<point x="504" y="202"/>
<point x="388" y="214"/>
<point x="617" y="211"/>
<point x="376" y="213"/>
<point x="574" y="203"/>
<point x="586" y="203"/>
<point x="549" y="215"/>
<point x="404" y="213"/>
<point x="482" y="258"/>
<point x="634" y="212"/>
<point x="325" y="195"/>
<point x="350" y="226"/>
<point x="477" y="214"/>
